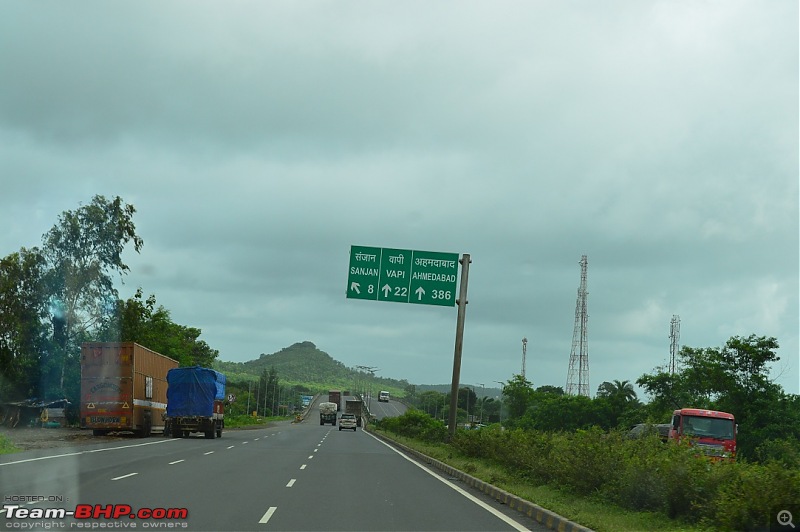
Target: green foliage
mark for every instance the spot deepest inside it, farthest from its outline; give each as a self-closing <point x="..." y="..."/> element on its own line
<point x="53" y="299"/>
<point x="517" y="393"/>
<point x="83" y="251"/>
<point x="23" y="336"/>
<point x="748" y="498"/>
<point x="6" y="447"/>
<point x="416" y="424"/>
<point x="140" y="321"/>
<point x="735" y="379"/>
<point x="638" y="474"/>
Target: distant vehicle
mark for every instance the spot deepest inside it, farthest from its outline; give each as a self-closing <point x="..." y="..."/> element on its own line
<point x="335" y="397"/>
<point x="383" y="397"/>
<point x="327" y="413"/>
<point x="355" y="407"/>
<point x="643" y="429"/>
<point x="347" y="421"/>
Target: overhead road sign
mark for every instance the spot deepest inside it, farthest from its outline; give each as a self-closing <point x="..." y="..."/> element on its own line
<point x="402" y="275"/>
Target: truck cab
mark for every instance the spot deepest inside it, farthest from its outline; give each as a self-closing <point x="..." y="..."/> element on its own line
<point x="710" y="431"/>
<point x="383" y="397"/>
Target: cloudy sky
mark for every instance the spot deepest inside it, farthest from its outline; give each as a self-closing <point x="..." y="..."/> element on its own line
<point x="258" y="141"/>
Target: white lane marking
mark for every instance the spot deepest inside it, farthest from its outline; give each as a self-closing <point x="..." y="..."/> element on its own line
<point x="315" y="450"/>
<point x="245" y="442"/>
<point x="291" y="483"/>
<point x="310" y="457"/>
<point x="302" y="467"/>
<point x="176" y="462"/>
<point x="499" y="515"/>
<point x="125" y="476"/>
<point x="85" y="452"/>
<point x="209" y="452"/>
<point x="230" y="446"/>
<point x="266" y="516"/>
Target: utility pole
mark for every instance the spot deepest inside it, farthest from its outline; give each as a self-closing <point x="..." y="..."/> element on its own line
<point x="462" y="310"/>
<point x="502" y="388"/>
<point x="483" y="400"/>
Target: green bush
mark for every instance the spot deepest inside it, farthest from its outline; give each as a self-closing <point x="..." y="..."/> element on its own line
<point x="643" y="474"/>
<point x="416" y="424"/>
<point x="750" y="496"/>
<point x="6" y="447"/>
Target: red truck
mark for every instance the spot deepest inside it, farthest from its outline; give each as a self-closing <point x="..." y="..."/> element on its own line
<point x="335" y="396"/>
<point x="712" y="432"/>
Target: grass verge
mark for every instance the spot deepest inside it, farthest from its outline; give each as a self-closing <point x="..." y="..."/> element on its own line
<point x="592" y="513"/>
<point x="6" y="447"/>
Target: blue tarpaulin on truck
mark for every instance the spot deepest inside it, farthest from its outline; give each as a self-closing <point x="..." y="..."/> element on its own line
<point x="192" y="391"/>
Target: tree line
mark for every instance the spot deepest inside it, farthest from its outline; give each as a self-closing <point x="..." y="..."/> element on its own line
<point x="58" y="295"/>
<point x="733" y="378"/>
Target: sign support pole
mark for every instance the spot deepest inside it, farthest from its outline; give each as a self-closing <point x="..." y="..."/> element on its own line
<point x="462" y="309"/>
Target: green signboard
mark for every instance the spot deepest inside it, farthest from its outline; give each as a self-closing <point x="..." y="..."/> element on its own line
<point x="402" y="275"/>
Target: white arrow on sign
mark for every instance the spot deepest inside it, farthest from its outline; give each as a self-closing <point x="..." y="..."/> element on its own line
<point x="355" y="287"/>
<point x="386" y="289"/>
<point x="420" y="292"/>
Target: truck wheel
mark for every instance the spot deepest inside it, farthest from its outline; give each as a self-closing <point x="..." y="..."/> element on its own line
<point x="340" y="429"/>
<point x="176" y="433"/>
<point x="210" y="434"/>
<point x="219" y="432"/>
<point x="98" y="432"/>
<point x="321" y="422"/>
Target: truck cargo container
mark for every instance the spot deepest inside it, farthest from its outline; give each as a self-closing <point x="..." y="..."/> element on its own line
<point x="355" y="407"/>
<point x="195" y="398"/>
<point x="123" y="388"/>
<point x="335" y="397"/>
<point x="327" y="413"/>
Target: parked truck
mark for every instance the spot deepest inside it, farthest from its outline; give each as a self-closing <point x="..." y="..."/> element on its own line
<point x="123" y="388"/>
<point x="195" y="398"/>
<point x="335" y="397"/>
<point x="710" y="431"/>
<point x="355" y="407"/>
<point x="327" y="413"/>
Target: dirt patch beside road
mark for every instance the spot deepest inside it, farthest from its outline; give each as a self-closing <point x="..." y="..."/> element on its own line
<point x="27" y="438"/>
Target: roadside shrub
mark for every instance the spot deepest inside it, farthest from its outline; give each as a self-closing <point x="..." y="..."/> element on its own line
<point x="416" y="424"/>
<point x="586" y="460"/>
<point x="751" y="496"/>
<point x="642" y="474"/>
<point x="6" y="446"/>
<point x="641" y="484"/>
<point x="783" y="451"/>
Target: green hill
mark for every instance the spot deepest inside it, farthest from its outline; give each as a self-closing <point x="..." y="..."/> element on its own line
<point x="305" y="365"/>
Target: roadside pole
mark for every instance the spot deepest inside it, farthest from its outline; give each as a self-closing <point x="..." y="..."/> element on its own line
<point x="462" y="309"/>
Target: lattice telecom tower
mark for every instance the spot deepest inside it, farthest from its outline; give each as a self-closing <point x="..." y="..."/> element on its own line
<point x="524" y="353"/>
<point x="674" y="342"/>
<point x="578" y="376"/>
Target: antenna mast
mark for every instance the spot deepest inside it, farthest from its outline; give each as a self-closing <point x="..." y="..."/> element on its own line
<point x="524" y="354"/>
<point x="674" y="342"/>
<point x="578" y="375"/>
